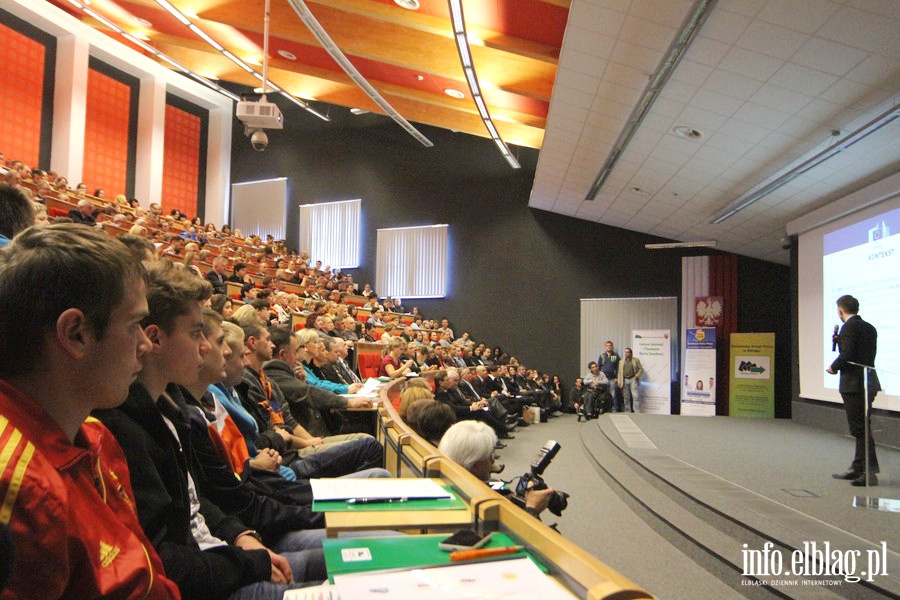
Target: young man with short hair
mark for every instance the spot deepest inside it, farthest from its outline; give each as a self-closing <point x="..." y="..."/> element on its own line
<point x="71" y="303"/>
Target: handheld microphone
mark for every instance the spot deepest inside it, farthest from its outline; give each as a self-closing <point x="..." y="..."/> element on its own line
<point x="834" y="339"/>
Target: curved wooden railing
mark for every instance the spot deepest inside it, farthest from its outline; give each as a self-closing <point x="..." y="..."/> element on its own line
<point x="409" y="455"/>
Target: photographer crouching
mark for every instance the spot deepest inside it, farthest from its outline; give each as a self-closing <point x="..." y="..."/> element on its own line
<point x="471" y="445"/>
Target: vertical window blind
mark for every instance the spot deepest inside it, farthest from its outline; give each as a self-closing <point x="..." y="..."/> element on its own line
<point x="260" y="207"/>
<point x="329" y="231"/>
<point x="412" y="262"/>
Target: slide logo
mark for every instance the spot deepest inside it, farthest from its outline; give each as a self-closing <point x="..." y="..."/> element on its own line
<point x="879" y="232"/>
<point x="751" y="367"/>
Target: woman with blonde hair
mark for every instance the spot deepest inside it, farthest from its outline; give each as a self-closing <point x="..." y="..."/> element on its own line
<point x="410" y="394"/>
<point x="246" y="315"/>
<point x="390" y="364"/>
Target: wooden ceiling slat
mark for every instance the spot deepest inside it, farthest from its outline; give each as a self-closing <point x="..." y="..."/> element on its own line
<point x="336" y="88"/>
<point x="428" y="53"/>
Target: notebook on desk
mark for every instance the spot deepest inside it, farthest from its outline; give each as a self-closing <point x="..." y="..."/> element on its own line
<point x="382" y="494"/>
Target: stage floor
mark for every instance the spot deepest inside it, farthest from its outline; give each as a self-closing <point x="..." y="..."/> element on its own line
<point x="772" y="477"/>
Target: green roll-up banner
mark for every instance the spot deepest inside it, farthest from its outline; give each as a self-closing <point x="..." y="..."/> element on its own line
<point x="752" y="389"/>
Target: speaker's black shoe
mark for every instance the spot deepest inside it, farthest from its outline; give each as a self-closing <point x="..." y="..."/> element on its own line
<point x="850" y="474"/>
<point x="861" y="480"/>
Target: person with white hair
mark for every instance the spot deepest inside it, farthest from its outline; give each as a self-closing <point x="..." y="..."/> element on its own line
<point x="84" y="214"/>
<point x="470" y="444"/>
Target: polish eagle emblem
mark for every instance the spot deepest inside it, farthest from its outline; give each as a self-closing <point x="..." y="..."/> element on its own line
<point x="709" y="312"/>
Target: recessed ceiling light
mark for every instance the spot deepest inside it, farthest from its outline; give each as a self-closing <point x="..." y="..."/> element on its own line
<point x="420" y="78"/>
<point x="687" y="132"/>
<point x="287" y="55"/>
<point x="408" y="4"/>
<point x="143" y="22"/>
<point x="454" y="93"/>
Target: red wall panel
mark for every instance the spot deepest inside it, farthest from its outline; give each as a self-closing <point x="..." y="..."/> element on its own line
<point x="106" y="134"/>
<point x="181" y="161"/>
<point x="21" y="94"/>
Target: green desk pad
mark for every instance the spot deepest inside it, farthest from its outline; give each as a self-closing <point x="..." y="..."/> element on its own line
<point x="404" y="551"/>
<point x="452" y="503"/>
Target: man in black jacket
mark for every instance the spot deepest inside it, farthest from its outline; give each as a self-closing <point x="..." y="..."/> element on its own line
<point x="207" y="553"/>
<point x="216" y="276"/>
<point x="857" y="342"/>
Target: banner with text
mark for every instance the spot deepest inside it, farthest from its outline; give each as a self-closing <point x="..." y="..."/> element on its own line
<point x="653" y="347"/>
<point x="752" y="392"/>
<point x="698" y="389"/>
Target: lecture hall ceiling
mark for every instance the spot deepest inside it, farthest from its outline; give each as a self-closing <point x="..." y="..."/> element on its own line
<point x="765" y="82"/>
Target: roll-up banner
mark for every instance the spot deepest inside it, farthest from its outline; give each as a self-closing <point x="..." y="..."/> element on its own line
<point x="698" y="385"/>
<point x="752" y="389"/>
<point x="653" y="347"/>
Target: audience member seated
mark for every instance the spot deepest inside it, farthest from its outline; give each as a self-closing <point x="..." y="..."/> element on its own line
<point x="309" y="405"/>
<point x="222" y="304"/>
<point x="410" y="394"/>
<point x="84" y="348"/>
<point x="391" y="365"/>
<point x="16" y="213"/>
<point x="84" y="214"/>
<point x="216" y="276"/>
<point x="430" y="419"/>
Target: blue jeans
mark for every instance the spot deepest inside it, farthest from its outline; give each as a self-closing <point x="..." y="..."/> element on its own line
<point x="308" y="567"/>
<point x="344" y="459"/>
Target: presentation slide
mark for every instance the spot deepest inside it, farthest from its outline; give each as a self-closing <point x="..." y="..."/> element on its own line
<point x="863" y="260"/>
<point x="857" y="255"/>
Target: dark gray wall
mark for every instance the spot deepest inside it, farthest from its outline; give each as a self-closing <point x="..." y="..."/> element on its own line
<point x="517" y="274"/>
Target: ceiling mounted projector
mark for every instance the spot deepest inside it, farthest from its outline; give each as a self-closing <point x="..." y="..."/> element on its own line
<point x="259" y="114"/>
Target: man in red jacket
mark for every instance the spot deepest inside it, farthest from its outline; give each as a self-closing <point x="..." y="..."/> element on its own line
<point x="71" y="303"/>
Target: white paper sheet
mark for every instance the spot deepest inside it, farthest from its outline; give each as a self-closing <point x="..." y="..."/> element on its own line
<point x="517" y="579"/>
<point x="325" y="490"/>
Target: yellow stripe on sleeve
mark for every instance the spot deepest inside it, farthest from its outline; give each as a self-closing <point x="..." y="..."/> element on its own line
<point x="15" y="483"/>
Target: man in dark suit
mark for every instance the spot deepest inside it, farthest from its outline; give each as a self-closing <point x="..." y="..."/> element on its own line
<point x="84" y="214"/>
<point x="857" y="342"/>
<point x="216" y="276"/>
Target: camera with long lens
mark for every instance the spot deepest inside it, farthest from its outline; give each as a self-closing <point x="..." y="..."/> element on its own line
<point x="559" y="500"/>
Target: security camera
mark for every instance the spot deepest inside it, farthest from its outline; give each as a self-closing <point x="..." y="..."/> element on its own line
<point x="786" y="243"/>
<point x="259" y="140"/>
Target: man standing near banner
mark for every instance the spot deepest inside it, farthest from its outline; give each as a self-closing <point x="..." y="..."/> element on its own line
<point x="629" y="380"/>
<point x="857" y="342"/>
<point x="609" y="364"/>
